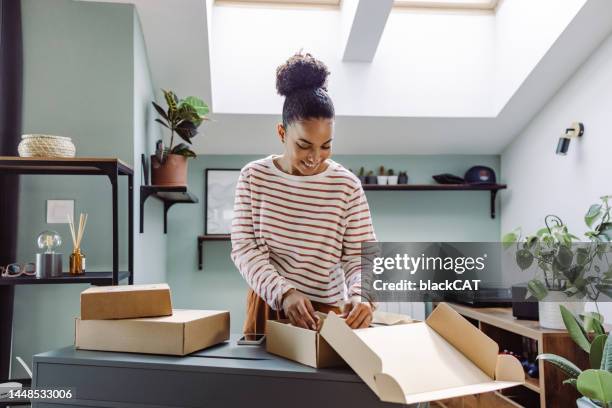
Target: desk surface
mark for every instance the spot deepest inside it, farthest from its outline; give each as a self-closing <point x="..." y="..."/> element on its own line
<point x="223" y="358"/>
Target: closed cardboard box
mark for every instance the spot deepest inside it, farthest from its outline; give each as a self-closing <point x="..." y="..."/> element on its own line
<point x="182" y="333"/>
<point x="125" y="301"/>
<point x="443" y="357"/>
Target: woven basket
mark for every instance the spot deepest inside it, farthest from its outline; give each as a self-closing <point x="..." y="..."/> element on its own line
<point x="46" y="146"/>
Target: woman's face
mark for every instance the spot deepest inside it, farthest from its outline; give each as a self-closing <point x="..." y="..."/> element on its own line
<point x="308" y="144"/>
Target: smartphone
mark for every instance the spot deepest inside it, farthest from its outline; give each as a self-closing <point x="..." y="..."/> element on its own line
<point x="251" y="340"/>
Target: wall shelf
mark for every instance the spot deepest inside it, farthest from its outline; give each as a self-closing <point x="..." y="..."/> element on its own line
<point x="93" y="278"/>
<point x="204" y="238"/>
<point x="493" y="188"/>
<point x="169" y="195"/>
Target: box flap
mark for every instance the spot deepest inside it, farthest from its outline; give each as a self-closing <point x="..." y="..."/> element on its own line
<point x="411" y="362"/>
<point x="125" y="288"/>
<point x="390" y="319"/>
<point x="473" y="343"/>
<point x="291" y="342"/>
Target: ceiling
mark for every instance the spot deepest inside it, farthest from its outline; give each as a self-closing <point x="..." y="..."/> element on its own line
<point x="244" y="133"/>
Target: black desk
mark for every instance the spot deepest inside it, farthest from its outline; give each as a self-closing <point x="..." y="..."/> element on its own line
<point x="226" y="375"/>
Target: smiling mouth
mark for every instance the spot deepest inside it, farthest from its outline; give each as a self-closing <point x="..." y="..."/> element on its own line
<point x="309" y="166"/>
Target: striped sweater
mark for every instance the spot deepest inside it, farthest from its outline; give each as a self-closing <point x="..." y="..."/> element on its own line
<point x="302" y="232"/>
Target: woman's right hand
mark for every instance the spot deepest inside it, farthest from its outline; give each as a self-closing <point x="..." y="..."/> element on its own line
<point x="299" y="310"/>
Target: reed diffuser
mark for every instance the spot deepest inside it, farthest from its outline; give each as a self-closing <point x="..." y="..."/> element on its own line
<point x="77" y="258"/>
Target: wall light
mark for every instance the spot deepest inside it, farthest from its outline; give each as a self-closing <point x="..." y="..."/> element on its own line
<point x="576" y="130"/>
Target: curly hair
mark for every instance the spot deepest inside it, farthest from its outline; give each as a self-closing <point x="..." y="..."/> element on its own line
<point x="302" y="80"/>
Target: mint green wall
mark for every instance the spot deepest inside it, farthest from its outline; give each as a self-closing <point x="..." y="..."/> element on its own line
<point x="80" y="64"/>
<point x="400" y="216"/>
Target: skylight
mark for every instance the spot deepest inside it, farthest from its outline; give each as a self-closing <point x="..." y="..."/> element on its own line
<point x="449" y="4"/>
<point x="284" y="2"/>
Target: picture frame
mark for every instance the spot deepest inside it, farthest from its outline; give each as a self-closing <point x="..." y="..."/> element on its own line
<point x="219" y="190"/>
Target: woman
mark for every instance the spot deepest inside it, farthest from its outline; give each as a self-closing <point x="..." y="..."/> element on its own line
<point x="300" y="218"/>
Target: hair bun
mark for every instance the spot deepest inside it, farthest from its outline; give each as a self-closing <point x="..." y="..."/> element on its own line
<point x="301" y="71"/>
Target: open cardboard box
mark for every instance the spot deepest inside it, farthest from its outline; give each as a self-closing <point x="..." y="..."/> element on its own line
<point x="302" y="345"/>
<point x="443" y="357"/>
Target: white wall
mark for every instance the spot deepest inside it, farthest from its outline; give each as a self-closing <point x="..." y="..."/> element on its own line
<point x="539" y="181"/>
<point x="524" y="31"/>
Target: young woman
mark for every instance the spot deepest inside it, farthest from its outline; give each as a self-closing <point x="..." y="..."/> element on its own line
<point x="300" y="218"/>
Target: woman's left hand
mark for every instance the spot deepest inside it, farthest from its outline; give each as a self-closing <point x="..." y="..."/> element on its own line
<point x="358" y="315"/>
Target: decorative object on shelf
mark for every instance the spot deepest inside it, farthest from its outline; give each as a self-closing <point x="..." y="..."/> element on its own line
<point x="46" y="146"/>
<point x="371" y="178"/>
<point x="183" y="117"/>
<point x="361" y="175"/>
<point x="48" y="263"/>
<point x="570" y="271"/>
<point x="588" y="332"/>
<point x="219" y="190"/>
<point x="382" y="178"/>
<point x="15" y="270"/>
<point x="447" y="178"/>
<point x="77" y="258"/>
<point x="391" y="177"/>
<point x="480" y="175"/>
<point x="402" y="178"/>
<point x="575" y="130"/>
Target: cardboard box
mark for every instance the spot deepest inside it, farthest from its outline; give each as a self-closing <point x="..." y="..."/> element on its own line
<point x="443" y="357"/>
<point x="125" y="302"/>
<point x="182" y="333"/>
<point x="302" y="345"/>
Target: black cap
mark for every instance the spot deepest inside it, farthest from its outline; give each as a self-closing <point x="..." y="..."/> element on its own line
<point x="480" y="175"/>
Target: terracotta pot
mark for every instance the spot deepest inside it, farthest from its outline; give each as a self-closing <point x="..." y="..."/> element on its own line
<point x="173" y="172"/>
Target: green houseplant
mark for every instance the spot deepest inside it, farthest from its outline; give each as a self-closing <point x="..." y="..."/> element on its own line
<point x="391" y="177"/>
<point x="182" y="118"/>
<point x="594" y="384"/>
<point x="567" y="269"/>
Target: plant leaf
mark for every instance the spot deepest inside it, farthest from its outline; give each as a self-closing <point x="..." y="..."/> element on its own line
<point x="592" y="322"/>
<point x="597" y="347"/>
<point x="563" y="363"/>
<point x="186" y="130"/>
<point x="171" y="101"/>
<point x="592" y="214"/>
<point x="595" y="384"/>
<point x="162" y="122"/>
<point x="524" y="258"/>
<point x="605" y="230"/>
<point x="509" y="239"/>
<point x="606" y="356"/>
<point x="161" y="111"/>
<point x="200" y="107"/>
<point x="537" y="289"/>
<point x="574" y="327"/>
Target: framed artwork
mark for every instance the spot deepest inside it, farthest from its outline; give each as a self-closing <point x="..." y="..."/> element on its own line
<point x="219" y="189"/>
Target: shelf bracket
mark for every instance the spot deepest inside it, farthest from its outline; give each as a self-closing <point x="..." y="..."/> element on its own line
<point x="493" y="195"/>
<point x="144" y="194"/>
<point x="167" y="205"/>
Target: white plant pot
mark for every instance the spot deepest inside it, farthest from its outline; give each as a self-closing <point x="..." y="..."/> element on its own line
<point x="392" y="180"/>
<point x="550" y="313"/>
<point x="382" y="179"/>
<point x="584" y="402"/>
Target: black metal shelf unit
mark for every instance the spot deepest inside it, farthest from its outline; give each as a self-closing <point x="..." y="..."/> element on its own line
<point x="110" y="167"/>
<point x="169" y="195"/>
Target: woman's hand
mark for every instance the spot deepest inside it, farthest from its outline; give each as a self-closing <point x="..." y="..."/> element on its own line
<point x="358" y="315"/>
<point x="299" y="310"/>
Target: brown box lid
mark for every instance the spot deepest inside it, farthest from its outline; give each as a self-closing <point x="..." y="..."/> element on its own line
<point x="126" y="301"/>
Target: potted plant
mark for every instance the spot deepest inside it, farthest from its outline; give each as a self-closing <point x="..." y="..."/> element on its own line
<point x="371" y="178"/>
<point x="361" y="175"/>
<point x="568" y="271"/>
<point x="594" y="384"/>
<point x="182" y="118"/>
<point x="391" y="177"/>
<point x="402" y="178"/>
<point x="382" y="177"/>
